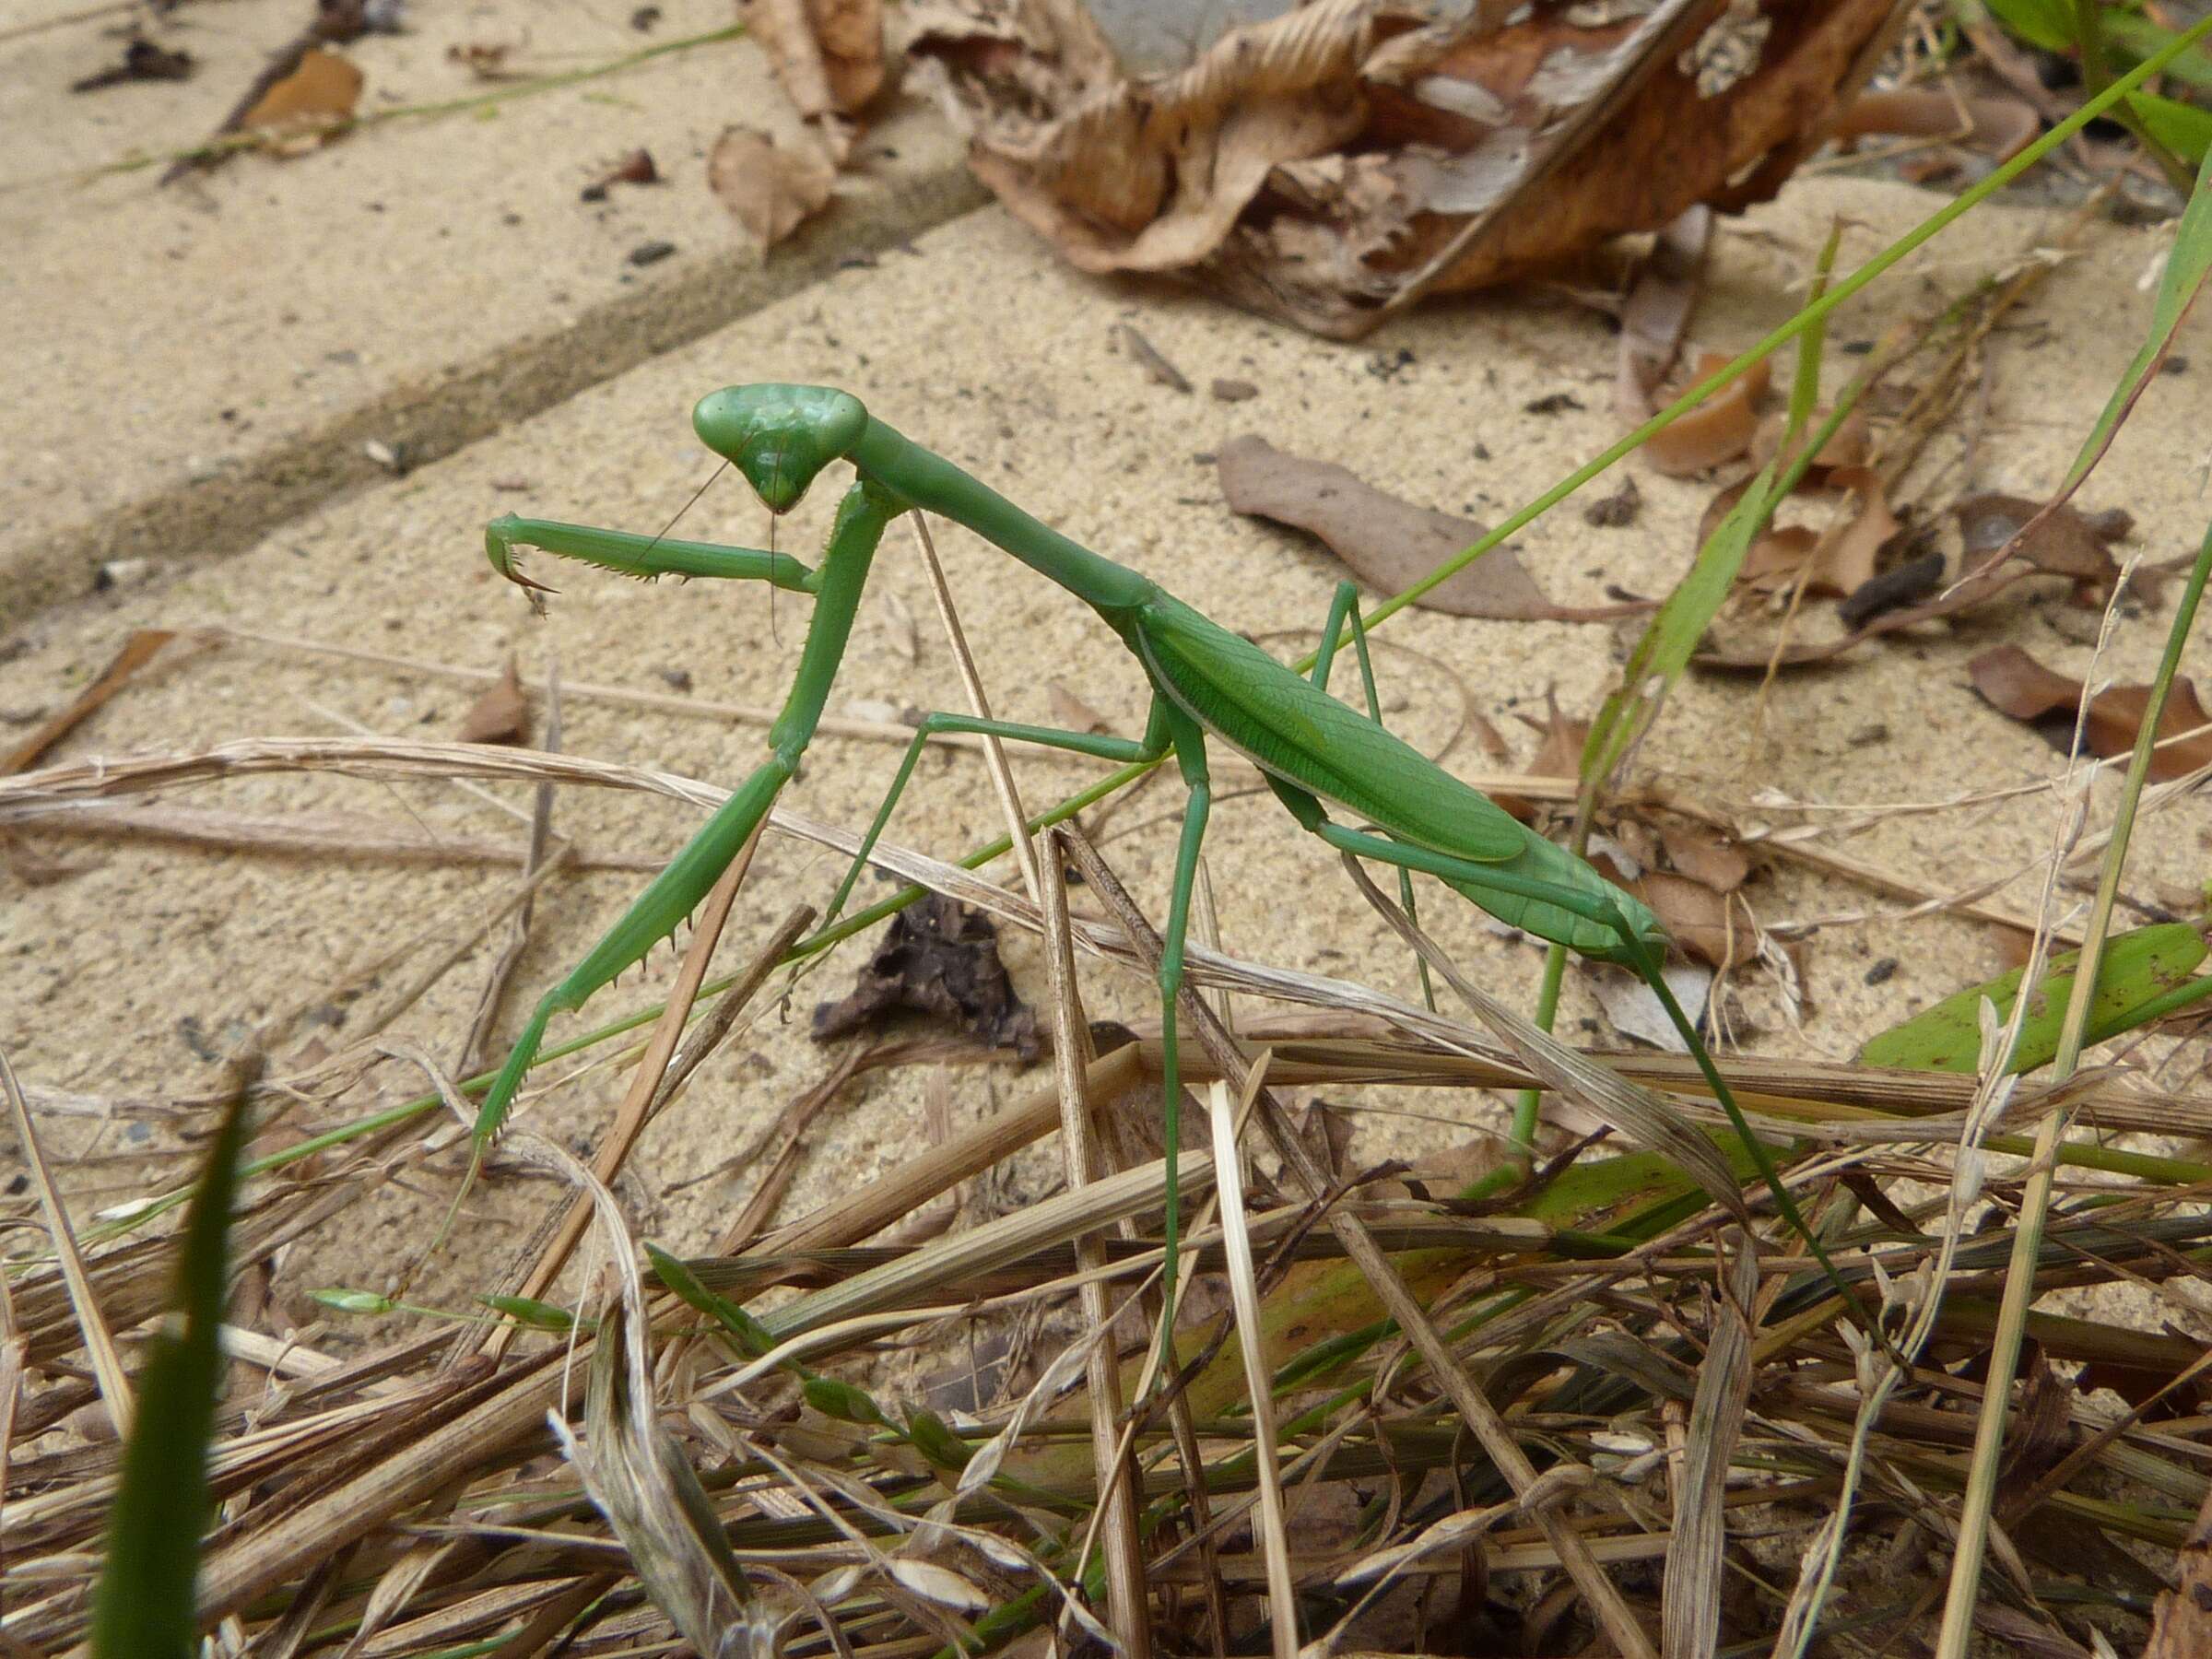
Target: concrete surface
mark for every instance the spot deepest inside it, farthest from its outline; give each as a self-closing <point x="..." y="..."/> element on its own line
<point x="978" y="343"/>
<point x="191" y="365"/>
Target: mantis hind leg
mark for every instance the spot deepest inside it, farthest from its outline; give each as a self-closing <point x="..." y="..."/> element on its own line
<point x="1344" y="604"/>
<point x="1190" y="753"/>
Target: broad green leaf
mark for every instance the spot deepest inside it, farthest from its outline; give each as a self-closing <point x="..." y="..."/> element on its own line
<point x="2138" y="37"/>
<point x="143" y="1607"/>
<point x="2140" y="969"/>
<point x="2181" y="127"/>
<point x="2045" y="23"/>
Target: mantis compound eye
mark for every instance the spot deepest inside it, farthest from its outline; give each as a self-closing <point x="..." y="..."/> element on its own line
<point x="780" y="437"/>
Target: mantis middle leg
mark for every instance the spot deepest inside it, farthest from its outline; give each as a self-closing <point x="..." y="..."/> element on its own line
<point x="1343" y="604"/>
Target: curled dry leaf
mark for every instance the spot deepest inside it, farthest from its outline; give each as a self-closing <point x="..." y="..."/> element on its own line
<point x="309" y="106"/>
<point x="1558" y="756"/>
<point x="1840" y="560"/>
<point x="2064" y="543"/>
<point x="500" y="715"/>
<point x="1718" y="429"/>
<point x="1998" y="126"/>
<point x="2013" y="683"/>
<point x="829" y="56"/>
<point x="772" y="188"/>
<point x="1656" y="314"/>
<point x="1705" y="856"/>
<point x="1332" y="165"/>
<point x="1847" y="447"/>
<point x="1389" y="544"/>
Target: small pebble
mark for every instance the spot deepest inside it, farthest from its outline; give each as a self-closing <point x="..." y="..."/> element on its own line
<point x="123" y="573"/>
<point x="1234" y="391"/>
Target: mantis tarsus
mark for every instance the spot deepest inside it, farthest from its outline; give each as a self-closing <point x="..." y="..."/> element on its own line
<point x="1206" y="682"/>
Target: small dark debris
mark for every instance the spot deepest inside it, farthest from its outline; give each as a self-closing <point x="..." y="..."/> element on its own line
<point x="857" y="262"/>
<point x="939" y="959"/>
<point x="1553" y="403"/>
<point x="1903" y="584"/>
<point x="650" y="252"/>
<point x="636" y="167"/>
<point x="195" y="1038"/>
<point x="1150" y="359"/>
<point x="1386" y="365"/>
<point x="143" y="61"/>
<point x="644" y="17"/>
<point x="1482" y="451"/>
<point x="1234" y="391"/>
<point x="1621" y="595"/>
<point x="1874" y="731"/>
<point x="1882" y="971"/>
<point x="1857" y="348"/>
<point x="512" y="486"/>
<point x="17" y="1185"/>
<point x="1617" y="510"/>
<point x="1204" y="457"/>
<point x="2175" y="364"/>
<point x="677" y="679"/>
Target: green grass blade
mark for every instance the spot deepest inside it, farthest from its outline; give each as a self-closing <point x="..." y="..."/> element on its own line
<point x="2182" y="280"/>
<point x="144" y="1606"/>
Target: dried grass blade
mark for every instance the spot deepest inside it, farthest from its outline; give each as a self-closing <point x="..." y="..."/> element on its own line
<point x="1245" y="1294"/>
<point x="115" y="1392"/>
<point x="137" y="651"/>
<point x="993" y="1245"/>
<point x="1978" y="1510"/>
<point x="1690" y="1600"/>
<point x="1126" y="1606"/>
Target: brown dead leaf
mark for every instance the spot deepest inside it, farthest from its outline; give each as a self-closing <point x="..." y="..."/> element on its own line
<point x="1389" y="544"/>
<point x="2064" y="543"/>
<point x="2015" y="684"/>
<point x="772" y="188"/>
<point x="1840" y="560"/>
<point x="1705" y="923"/>
<point x="940" y="958"/>
<point x="1847" y="447"/>
<point x="1705" y="856"/>
<point x="1559" y="755"/>
<point x="1656" y="314"/>
<point x="1334" y="165"/>
<point x="500" y="715"/>
<point x="1998" y="126"/>
<point x="1717" y="430"/>
<point x="311" y="105"/>
<point x="829" y="56"/>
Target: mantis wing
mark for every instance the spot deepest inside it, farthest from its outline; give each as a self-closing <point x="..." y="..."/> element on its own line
<point x="1288" y="728"/>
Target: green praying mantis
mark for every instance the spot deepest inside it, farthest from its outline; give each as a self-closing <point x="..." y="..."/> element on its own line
<point x="1313" y="752"/>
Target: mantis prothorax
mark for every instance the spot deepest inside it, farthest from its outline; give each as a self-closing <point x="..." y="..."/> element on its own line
<point x="1206" y="682"/>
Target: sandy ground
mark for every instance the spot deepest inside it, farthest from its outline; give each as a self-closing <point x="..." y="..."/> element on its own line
<point x="121" y="977"/>
<point x="191" y="365"/>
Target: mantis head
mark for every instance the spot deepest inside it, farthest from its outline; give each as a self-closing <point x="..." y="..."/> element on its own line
<point x="780" y="437"/>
